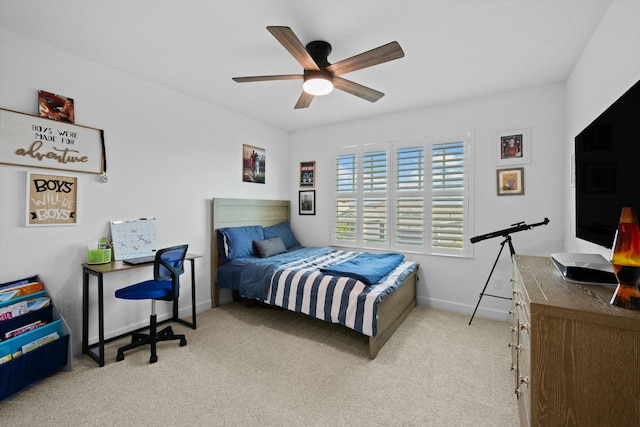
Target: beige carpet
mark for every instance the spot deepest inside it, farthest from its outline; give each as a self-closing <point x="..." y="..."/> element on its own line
<point x="253" y="367"/>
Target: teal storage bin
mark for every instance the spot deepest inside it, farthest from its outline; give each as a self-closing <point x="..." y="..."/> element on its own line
<point x="31" y="367"/>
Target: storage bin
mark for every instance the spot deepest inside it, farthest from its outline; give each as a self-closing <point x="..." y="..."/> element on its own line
<point x="98" y="256"/>
<point x="34" y="365"/>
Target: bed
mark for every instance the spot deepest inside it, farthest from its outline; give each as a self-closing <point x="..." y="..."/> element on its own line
<point x="373" y="309"/>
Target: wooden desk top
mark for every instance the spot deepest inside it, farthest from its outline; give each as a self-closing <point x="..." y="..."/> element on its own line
<point x="121" y="265"/>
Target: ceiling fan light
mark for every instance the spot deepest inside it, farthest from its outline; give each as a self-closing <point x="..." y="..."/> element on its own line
<point x="318" y="84"/>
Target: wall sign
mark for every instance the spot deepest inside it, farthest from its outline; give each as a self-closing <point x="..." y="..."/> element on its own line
<point x="51" y="199"/>
<point x="28" y="140"/>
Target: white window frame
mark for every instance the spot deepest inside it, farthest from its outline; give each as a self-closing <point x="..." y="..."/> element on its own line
<point x="426" y="142"/>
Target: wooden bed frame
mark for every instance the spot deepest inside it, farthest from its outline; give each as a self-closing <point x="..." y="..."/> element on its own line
<point x="393" y="308"/>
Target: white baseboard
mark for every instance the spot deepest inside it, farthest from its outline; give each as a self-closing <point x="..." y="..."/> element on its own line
<point x="490" y="313"/>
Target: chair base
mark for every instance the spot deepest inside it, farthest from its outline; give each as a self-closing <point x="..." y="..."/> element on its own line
<point x="151" y="339"/>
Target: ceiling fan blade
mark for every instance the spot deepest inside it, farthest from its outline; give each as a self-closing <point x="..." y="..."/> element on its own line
<point x="384" y="53"/>
<point x="290" y="41"/>
<point x="267" y="78"/>
<point x="356" y="89"/>
<point x="304" y="101"/>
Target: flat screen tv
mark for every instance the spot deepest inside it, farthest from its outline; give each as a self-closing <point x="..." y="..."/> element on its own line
<point x="607" y="167"/>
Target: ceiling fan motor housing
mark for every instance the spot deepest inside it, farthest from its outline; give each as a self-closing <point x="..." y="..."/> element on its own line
<point x="319" y="51"/>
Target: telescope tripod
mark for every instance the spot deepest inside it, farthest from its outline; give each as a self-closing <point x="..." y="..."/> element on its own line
<point x="507" y="240"/>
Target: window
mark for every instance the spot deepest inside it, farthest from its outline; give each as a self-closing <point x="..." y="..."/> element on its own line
<point x="410" y="195"/>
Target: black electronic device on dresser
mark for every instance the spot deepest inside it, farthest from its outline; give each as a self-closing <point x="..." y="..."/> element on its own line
<point x="606" y="168"/>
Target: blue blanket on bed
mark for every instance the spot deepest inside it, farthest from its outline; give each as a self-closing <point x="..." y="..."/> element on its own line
<point x="367" y="267"/>
<point x="254" y="276"/>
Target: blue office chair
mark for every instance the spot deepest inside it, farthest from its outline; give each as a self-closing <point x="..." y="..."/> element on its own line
<point x="165" y="286"/>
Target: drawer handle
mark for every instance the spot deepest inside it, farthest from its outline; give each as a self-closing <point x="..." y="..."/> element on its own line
<point x="524" y="327"/>
<point x="518" y="303"/>
<point x="516" y="346"/>
<point x="524" y="380"/>
<point x="515" y="292"/>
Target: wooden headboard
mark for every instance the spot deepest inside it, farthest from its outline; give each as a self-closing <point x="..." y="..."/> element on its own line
<point x="236" y="213"/>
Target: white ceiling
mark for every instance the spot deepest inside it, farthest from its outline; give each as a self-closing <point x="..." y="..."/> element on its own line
<point x="454" y="49"/>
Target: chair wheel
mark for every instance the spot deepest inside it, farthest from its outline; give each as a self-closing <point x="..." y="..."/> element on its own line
<point x="183" y="342"/>
<point x="119" y="357"/>
<point x="153" y="359"/>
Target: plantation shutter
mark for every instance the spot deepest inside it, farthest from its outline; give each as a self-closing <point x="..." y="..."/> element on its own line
<point x="346" y="206"/>
<point x="410" y="197"/>
<point x="448" y="195"/>
<point x="375" y="169"/>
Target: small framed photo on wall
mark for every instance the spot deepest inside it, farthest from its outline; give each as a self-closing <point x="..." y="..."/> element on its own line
<point x="307" y="202"/>
<point x="511" y="182"/>
<point x="307" y="174"/>
<point x="254" y="164"/>
<point x="513" y="147"/>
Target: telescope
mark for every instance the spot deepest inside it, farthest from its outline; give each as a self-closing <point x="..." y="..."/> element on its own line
<point x="518" y="226"/>
<point x="506" y="233"/>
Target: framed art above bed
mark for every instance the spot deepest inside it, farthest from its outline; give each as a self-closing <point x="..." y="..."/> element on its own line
<point x="307" y="174"/>
<point x="307" y="202"/>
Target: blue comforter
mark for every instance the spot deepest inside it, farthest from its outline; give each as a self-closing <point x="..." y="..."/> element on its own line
<point x="367" y="267"/>
<point x="253" y="279"/>
<point x="293" y="280"/>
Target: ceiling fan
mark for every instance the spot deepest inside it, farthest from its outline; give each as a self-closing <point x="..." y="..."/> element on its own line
<point x="320" y="77"/>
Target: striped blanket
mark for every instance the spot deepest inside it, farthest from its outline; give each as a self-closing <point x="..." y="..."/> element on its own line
<point x="300" y="286"/>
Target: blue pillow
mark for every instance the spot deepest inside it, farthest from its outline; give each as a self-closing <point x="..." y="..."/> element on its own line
<point x="284" y="232"/>
<point x="239" y="240"/>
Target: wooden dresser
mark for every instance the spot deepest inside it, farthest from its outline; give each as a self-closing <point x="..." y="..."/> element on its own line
<point x="576" y="358"/>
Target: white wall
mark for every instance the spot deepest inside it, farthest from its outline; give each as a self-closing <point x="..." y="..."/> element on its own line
<point x="157" y="139"/>
<point x="167" y="156"/>
<point x="608" y="67"/>
<point x="454" y="283"/>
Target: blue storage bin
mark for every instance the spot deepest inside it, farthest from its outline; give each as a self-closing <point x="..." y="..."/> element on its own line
<point x="30" y="367"/>
<point x="33" y="366"/>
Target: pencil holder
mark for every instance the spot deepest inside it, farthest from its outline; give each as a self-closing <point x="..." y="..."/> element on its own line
<point x="98" y="256"/>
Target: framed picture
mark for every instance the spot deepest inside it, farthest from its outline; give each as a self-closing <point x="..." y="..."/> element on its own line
<point x="513" y="147"/>
<point x="51" y="199"/>
<point x="511" y="182"/>
<point x="307" y="203"/>
<point x="254" y="164"/>
<point x="56" y="107"/>
<point x="307" y="174"/>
